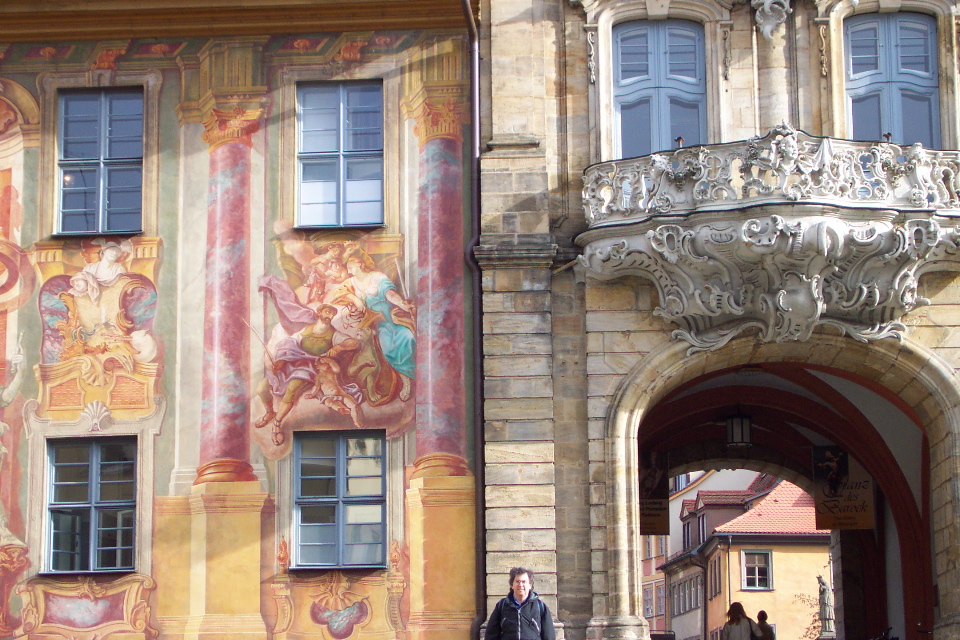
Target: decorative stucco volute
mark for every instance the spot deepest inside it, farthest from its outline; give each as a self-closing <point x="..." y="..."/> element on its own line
<point x="779" y="234"/>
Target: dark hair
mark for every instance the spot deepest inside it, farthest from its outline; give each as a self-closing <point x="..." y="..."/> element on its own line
<point x="519" y="571"/>
<point x="762" y="615"/>
<point x="736" y="613"/>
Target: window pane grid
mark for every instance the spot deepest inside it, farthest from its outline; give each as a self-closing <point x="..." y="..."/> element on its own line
<point x="101" y="162"/>
<point x="97" y="480"/>
<point x="340" y="155"/>
<point x="340" y="500"/>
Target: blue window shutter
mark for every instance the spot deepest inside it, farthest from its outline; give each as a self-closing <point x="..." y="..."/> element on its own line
<point x="892" y="85"/>
<point x="659" y="85"/>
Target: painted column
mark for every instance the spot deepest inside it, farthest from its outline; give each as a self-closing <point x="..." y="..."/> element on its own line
<point x="227" y="505"/>
<point x="224" y="419"/>
<point x="441" y="504"/>
<point x="441" y="388"/>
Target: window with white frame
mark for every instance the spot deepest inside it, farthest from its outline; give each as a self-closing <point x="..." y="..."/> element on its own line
<point x="714" y="569"/>
<point x="659" y="85"/>
<point x="340" y="154"/>
<point x="648" y="602"/>
<point x="892" y="78"/>
<point x="100" y="161"/>
<point x="757" y="570"/>
<point x="91" y="505"/>
<point x="649" y="546"/>
<point x="663" y="545"/>
<point x="660" y="599"/>
<point x="340" y="500"/>
<point x="702" y="526"/>
<point x="687" y="537"/>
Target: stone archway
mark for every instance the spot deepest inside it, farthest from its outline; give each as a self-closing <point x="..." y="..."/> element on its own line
<point x="922" y="382"/>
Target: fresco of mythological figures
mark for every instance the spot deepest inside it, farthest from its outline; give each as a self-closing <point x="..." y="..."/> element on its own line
<point x="342" y="353"/>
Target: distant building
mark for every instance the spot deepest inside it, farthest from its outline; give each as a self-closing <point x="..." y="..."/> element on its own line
<point x="731" y="542"/>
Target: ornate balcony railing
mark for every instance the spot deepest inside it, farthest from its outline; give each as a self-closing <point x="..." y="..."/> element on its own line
<point x="786" y="165"/>
<point x="777" y="235"/>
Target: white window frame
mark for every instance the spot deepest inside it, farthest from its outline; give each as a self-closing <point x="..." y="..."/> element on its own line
<point x="887" y="82"/>
<point x="59" y="476"/>
<point x="382" y="71"/>
<point x="51" y="85"/>
<point x="42" y="430"/>
<point x="340" y="501"/>
<point x="341" y="157"/>
<point x="702" y="526"/>
<point x="687" y="535"/>
<point x="648" y="602"/>
<point x="744" y="569"/>
<point x="660" y="599"/>
<point x="648" y="546"/>
<point x="101" y="164"/>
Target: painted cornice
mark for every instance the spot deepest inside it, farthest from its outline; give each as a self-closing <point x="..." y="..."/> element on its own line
<point x="39" y="20"/>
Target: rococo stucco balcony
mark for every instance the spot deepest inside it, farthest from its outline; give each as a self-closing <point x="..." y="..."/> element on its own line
<point x="777" y="234"/>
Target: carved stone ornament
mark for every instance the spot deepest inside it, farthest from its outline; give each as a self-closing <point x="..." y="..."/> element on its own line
<point x="786" y="267"/>
<point x="770" y="15"/>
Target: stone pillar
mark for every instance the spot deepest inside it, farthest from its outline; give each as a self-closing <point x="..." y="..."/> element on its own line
<point x="519" y="412"/>
<point x="774" y="81"/>
<point x="440" y="501"/>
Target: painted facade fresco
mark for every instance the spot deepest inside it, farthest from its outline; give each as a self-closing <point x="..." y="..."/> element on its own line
<point x="342" y="354"/>
<point x="222" y="331"/>
<point x="98" y="347"/>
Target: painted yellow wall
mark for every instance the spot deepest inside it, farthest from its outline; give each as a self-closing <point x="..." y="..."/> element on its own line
<point x="792" y="603"/>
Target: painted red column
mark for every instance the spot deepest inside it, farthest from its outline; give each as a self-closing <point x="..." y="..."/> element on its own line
<point x="441" y="386"/>
<point x="224" y="416"/>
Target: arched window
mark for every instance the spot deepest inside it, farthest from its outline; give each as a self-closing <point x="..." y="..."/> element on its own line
<point x="658" y="85"/>
<point x="892" y="87"/>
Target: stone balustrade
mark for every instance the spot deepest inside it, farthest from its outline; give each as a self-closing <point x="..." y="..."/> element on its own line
<point x="785" y="166"/>
<point x="777" y="235"/>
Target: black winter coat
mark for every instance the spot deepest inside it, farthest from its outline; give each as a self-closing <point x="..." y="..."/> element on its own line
<point x="532" y="621"/>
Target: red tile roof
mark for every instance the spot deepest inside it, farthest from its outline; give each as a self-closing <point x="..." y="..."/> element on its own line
<point x="763" y="482"/>
<point x="787" y="510"/>
<point x="723" y="498"/>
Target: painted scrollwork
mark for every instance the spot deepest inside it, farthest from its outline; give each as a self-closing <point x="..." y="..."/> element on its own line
<point x="786" y="165"/>
<point x="781" y="275"/>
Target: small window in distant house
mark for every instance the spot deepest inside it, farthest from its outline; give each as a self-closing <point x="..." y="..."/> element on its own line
<point x="659" y="85"/>
<point x="649" y="546"/>
<point x="687" y="537"/>
<point x="340" y="500"/>
<point x="100" y="161"/>
<point x="757" y="572"/>
<point x="663" y="545"/>
<point x="660" y="599"/>
<point x="648" y="602"/>
<point x="702" y="525"/>
<point x="91" y="504"/>
<point x="340" y="154"/>
<point x="892" y="78"/>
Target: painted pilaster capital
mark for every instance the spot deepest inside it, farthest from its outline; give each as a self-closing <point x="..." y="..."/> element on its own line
<point x="439" y="112"/>
<point x="236" y="124"/>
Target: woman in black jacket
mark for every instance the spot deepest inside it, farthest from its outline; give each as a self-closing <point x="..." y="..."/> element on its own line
<point x="522" y="615"/>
